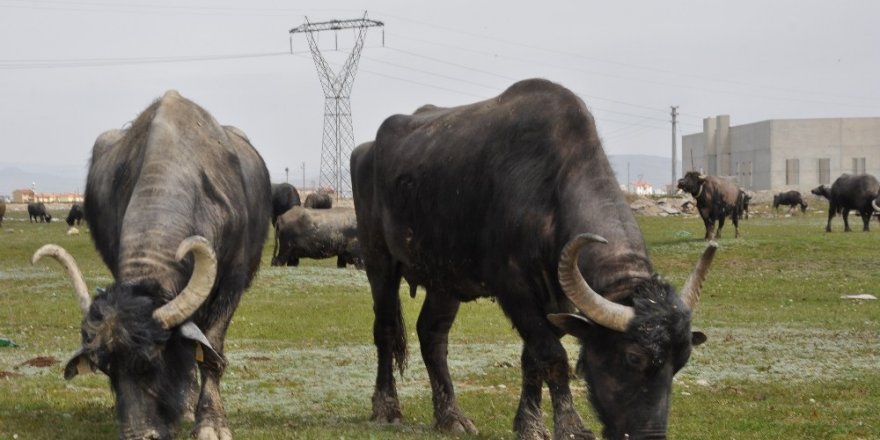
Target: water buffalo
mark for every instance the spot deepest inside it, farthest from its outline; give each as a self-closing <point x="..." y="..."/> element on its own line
<point x="75" y="215"/>
<point x="716" y="199"/>
<point x="317" y="233"/>
<point x="790" y="199"/>
<point x="284" y="197"/>
<point x="850" y="192"/>
<point x="746" y="201"/>
<point x="2" y="211"/>
<point x="439" y="198"/>
<point x="174" y="184"/>
<point x="37" y="213"/>
<point x="318" y="200"/>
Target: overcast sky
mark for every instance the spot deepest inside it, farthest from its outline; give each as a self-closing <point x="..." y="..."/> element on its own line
<point x="72" y="69"/>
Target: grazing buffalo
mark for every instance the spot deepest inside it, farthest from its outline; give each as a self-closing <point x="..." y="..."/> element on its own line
<point x="716" y="199"/>
<point x="37" y="213"/>
<point x="317" y="233"/>
<point x="439" y="198"/>
<point x="75" y="215"/>
<point x="284" y="197"/>
<point x="2" y="211"/>
<point x="790" y="199"/>
<point x="850" y="192"/>
<point x="318" y="200"/>
<point x="746" y="201"/>
<point x="177" y="206"/>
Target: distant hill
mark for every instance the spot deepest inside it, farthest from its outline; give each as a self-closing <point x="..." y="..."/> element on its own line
<point x="50" y="179"/>
<point x="655" y="170"/>
<point x="62" y="178"/>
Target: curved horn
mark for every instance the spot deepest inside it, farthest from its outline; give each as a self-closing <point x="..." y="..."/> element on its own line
<point x="600" y="310"/>
<point x="690" y="292"/>
<point x="874" y="205"/>
<point x="197" y="289"/>
<point x="73" y="272"/>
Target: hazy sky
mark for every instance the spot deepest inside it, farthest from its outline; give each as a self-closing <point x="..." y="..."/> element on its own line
<point x="72" y="69"/>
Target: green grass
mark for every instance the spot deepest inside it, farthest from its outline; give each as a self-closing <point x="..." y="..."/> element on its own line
<point x="786" y="357"/>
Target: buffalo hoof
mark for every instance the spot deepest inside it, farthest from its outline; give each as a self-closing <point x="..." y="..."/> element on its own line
<point x="212" y="433"/>
<point x="583" y="434"/>
<point x="455" y="423"/>
<point x="386" y="409"/>
<point x="529" y="425"/>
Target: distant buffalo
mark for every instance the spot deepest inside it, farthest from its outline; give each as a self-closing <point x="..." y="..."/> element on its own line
<point x="37" y="213"/>
<point x="746" y="200"/>
<point x="318" y="200"/>
<point x="790" y="199"/>
<point x="850" y="192"/>
<point x="716" y="199"/>
<point x="284" y="197"/>
<point x="313" y="233"/>
<point x="75" y="215"/>
<point x="2" y="211"/>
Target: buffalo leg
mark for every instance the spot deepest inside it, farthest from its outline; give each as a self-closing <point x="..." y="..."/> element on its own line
<point x="340" y="261"/>
<point x="735" y="219"/>
<point x="544" y="356"/>
<point x="211" y="422"/>
<point x="720" y="225"/>
<point x="845" y="216"/>
<point x="866" y="219"/>
<point x="710" y="227"/>
<point x="435" y="320"/>
<point x="831" y="210"/>
<point x="389" y="336"/>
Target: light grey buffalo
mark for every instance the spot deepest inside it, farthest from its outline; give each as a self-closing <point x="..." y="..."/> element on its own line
<point x="317" y="233"/>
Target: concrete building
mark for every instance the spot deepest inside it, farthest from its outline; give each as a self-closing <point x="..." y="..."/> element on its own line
<point x="781" y="154"/>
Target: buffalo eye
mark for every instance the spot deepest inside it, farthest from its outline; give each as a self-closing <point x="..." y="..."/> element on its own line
<point x="635" y="359"/>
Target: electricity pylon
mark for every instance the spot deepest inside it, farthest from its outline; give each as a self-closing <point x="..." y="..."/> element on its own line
<point x="338" y="140"/>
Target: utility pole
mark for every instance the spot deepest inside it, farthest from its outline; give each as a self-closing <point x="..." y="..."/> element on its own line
<point x="674" y="152"/>
<point x="338" y="140"/>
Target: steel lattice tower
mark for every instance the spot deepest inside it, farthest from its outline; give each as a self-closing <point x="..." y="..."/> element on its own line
<point x="338" y="139"/>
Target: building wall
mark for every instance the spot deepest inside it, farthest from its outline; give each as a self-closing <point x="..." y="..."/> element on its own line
<point x="763" y="155"/>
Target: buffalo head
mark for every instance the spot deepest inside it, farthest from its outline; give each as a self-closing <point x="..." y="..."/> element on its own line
<point x="630" y="352"/>
<point x="692" y="182"/>
<point x="822" y="190"/>
<point x="143" y="342"/>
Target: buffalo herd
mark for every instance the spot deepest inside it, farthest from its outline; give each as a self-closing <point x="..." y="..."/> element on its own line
<point x="178" y="205"/>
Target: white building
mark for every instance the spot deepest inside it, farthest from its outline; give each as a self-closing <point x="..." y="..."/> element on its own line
<point x="784" y="153"/>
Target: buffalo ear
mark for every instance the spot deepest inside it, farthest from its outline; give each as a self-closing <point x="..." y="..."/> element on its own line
<point x="572" y="324"/>
<point x="205" y="353"/>
<point x="79" y="363"/>
<point x="698" y="338"/>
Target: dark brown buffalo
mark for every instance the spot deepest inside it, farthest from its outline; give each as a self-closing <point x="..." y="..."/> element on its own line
<point x="75" y="215"/>
<point x="284" y="197"/>
<point x="791" y="199"/>
<point x="317" y="233"/>
<point x="716" y="199"/>
<point x="493" y="199"/>
<point x="318" y="200"/>
<point x="850" y="192"/>
<point x="174" y="184"/>
<point x="2" y="210"/>
<point x="37" y="213"/>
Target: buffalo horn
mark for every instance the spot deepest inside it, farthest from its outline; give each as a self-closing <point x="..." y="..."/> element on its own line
<point x="874" y="205"/>
<point x="690" y="293"/>
<point x="197" y="289"/>
<point x="73" y="272"/>
<point x="598" y="309"/>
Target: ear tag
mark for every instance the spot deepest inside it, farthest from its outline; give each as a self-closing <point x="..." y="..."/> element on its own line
<point x="200" y="353"/>
<point x="83" y="366"/>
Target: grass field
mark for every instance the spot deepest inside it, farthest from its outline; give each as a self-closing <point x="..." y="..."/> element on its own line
<point x="786" y="356"/>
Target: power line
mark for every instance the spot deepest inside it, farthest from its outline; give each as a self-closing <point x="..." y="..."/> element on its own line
<point x="24" y="64"/>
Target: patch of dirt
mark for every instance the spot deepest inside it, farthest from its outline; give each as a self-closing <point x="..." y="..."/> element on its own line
<point x="8" y="375"/>
<point x="41" y="361"/>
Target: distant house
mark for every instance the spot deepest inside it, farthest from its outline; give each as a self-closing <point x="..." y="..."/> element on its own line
<point x="22" y="196"/>
<point x="28" y="196"/>
<point x="643" y="188"/>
